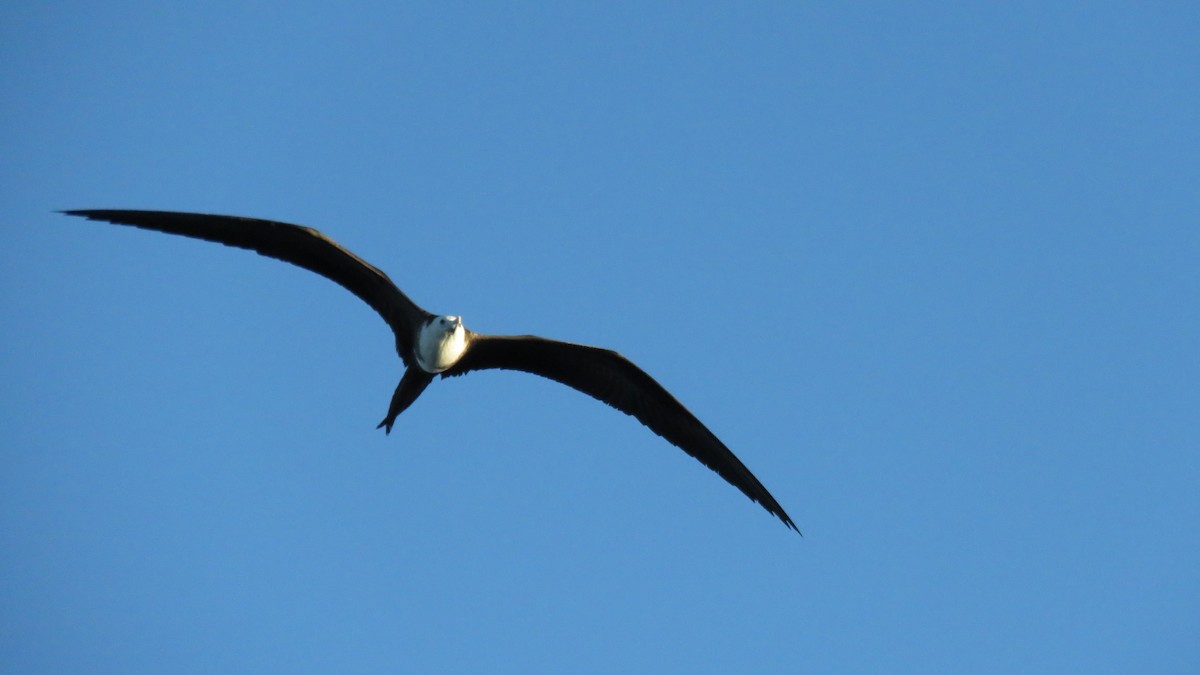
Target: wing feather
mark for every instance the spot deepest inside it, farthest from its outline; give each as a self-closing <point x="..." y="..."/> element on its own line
<point x="609" y="377"/>
<point x="300" y="246"/>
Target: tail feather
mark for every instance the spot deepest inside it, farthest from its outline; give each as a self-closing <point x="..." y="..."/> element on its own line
<point x="411" y="385"/>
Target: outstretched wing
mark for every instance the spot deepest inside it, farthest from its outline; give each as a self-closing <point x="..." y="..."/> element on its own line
<point x="301" y="246"/>
<point x="609" y="377"/>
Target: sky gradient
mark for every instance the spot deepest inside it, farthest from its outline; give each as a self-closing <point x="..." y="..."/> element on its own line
<point x="930" y="271"/>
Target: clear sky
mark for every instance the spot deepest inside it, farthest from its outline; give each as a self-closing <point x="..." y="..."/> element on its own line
<point x="931" y="270"/>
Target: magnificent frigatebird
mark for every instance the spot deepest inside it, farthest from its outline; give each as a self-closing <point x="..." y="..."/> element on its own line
<point x="433" y="345"/>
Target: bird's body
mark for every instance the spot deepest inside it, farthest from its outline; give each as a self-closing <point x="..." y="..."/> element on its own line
<point x="441" y="342"/>
<point x="432" y="345"/>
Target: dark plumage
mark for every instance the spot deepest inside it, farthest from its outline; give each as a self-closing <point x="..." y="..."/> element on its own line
<point x="431" y="345"/>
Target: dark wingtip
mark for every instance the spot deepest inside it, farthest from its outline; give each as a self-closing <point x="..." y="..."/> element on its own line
<point x="787" y="521"/>
<point x="768" y="502"/>
<point x="383" y="424"/>
<point x="90" y="214"/>
<point x="106" y="215"/>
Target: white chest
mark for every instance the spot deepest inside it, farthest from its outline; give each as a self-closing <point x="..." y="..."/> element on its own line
<point x="441" y="344"/>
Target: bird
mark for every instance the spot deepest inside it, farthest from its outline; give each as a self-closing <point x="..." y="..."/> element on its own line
<point x="432" y="345"/>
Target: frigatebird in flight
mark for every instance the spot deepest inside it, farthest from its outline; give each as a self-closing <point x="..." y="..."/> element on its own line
<point x="433" y="345"/>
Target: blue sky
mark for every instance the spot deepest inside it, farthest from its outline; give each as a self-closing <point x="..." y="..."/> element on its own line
<point x="930" y="270"/>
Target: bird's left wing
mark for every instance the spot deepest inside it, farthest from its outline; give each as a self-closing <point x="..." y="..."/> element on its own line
<point x="609" y="377"/>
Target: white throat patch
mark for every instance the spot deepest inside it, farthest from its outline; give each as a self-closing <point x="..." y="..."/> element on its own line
<point x="441" y="343"/>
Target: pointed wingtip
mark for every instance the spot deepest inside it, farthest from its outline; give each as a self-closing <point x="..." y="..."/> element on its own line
<point x="768" y="502"/>
<point x="787" y="522"/>
<point x="90" y="214"/>
<point x="776" y="510"/>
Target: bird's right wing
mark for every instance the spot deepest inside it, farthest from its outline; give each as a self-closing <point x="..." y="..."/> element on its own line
<point x="300" y="246"/>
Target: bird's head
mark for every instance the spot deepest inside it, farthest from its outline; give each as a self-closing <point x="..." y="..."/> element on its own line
<point x="449" y="324"/>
